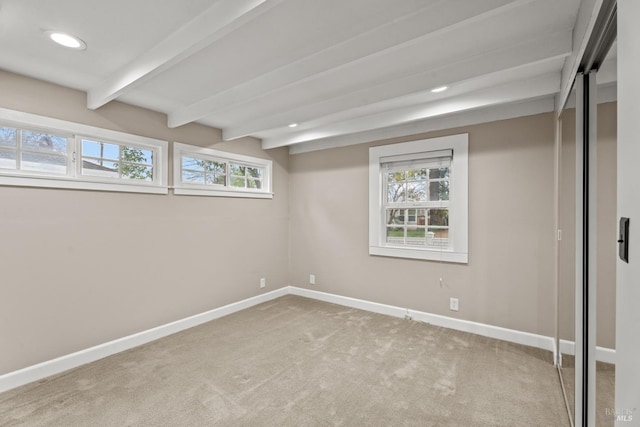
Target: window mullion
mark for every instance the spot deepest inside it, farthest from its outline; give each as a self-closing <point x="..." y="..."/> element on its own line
<point x="19" y="149"/>
<point x="71" y="156"/>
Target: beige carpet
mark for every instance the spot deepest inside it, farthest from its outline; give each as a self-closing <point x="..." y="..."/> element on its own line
<point x="300" y="362"/>
<point x="605" y="389"/>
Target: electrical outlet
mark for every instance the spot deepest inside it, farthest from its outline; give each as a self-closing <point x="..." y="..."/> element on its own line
<point x="453" y="304"/>
<point x="312" y="279"/>
<point x="263" y="282"/>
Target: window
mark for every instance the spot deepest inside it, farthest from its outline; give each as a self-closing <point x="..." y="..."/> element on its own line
<point x="25" y="151"/>
<point x="43" y="152"/>
<point x="110" y="160"/>
<point x="418" y="199"/>
<point x="206" y="172"/>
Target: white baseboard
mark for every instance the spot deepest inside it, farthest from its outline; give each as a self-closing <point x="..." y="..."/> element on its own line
<point x="55" y="366"/>
<point x="375" y="307"/>
<point x="525" y="338"/>
<point x="42" y="370"/>
<point x="603" y="354"/>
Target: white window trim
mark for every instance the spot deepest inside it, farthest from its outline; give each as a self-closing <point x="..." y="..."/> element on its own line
<point x="459" y="188"/>
<point x="186" y="189"/>
<point x="73" y="179"/>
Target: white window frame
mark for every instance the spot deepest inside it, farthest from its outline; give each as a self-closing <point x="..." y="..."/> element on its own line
<point x="458" y="251"/>
<point x="74" y="179"/>
<point x="181" y="150"/>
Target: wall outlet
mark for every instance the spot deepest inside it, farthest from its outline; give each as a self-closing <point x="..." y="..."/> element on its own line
<point x="312" y="279"/>
<point x="263" y="282"/>
<point x="453" y="304"/>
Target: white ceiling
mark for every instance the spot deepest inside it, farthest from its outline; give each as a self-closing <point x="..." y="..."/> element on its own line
<point x="342" y="69"/>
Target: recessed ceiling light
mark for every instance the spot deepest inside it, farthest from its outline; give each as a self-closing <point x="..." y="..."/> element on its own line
<point x="66" y="40"/>
<point x="293" y="125"/>
<point x="439" y="89"/>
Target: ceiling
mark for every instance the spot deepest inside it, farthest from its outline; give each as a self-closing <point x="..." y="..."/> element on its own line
<point x="343" y="70"/>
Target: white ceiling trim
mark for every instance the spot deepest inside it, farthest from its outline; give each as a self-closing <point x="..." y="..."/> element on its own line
<point x="497" y="65"/>
<point x="586" y="20"/>
<point x="217" y="21"/>
<point x="451" y="121"/>
<point x="547" y="84"/>
<point x="329" y="60"/>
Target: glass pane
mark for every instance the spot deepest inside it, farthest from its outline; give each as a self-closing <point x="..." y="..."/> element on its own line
<point x="421" y="216"/>
<point x="439" y="233"/>
<point x="217" y="179"/>
<point x="137" y="155"/>
<point x="238" y="182"/>
<point x="395" y="177"/>
<point x="98" y="167"/>
<point x="439" y="217"/>
<point x="254" y="172"/>
<point x="46" y="142"/>
<point x="395" y="216"/>
<point x="254" y="183"/>
<point x="216" y="167"/>
<point x="416" y="236"/>
<point x="416" y="191"/>
<point x="439" y="190"/>
<point x="396" y="193"/>
<point x="8" y="159"/>
<point x="192" y="177"/>
<point x="237" y="170"/>
<point x="438" y="237"/>
<point x="100" y="149"/>
<point x="7" y="137"/>
<point x="417" y="174"/>
<point x="43" y="163"/>
<point x="438" y="173"/>
<point x="138" y="172"/>
<point x="411" y="216"/>
<point x="395" y="235"/>
<point x="192" y="164"/>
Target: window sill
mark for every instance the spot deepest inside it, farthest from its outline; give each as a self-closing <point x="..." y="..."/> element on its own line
<point x="423" y="254"/>
<point x="68" y="183"/>
<point x="182" y="191"/>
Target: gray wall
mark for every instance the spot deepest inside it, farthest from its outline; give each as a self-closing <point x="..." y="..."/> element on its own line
<point x="509" y="280"/>
<point x="80" y="268"/>
<point x="607" y="227"/>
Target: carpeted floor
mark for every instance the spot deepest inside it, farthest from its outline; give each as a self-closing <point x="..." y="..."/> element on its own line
<point x="605" y="389"/>
<point x="299" y="362"/>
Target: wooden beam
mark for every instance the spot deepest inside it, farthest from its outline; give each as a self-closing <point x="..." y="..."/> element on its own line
<point x="214" y="23"/>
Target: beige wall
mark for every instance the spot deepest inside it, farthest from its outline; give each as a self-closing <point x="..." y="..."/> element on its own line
<point x="509" y="280"/>
<point x="607" y="227"/>
<point x="80" y="268"/>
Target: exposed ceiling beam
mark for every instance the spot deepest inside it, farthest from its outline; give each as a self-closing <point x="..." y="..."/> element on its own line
<point x="506" y="60"/>
<point x="449" y="121"/>
<point x="214" y="23"/>
<point x="337" y="56"/>
<point x="540" y="86"/>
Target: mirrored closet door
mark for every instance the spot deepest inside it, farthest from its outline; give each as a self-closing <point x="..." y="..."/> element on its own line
<point x="586" y="219"/>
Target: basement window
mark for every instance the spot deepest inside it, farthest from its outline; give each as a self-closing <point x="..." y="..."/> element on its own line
<point x="202" y="171"/>
<point x="418" y="194"/>
<point x="37" y="151"/>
